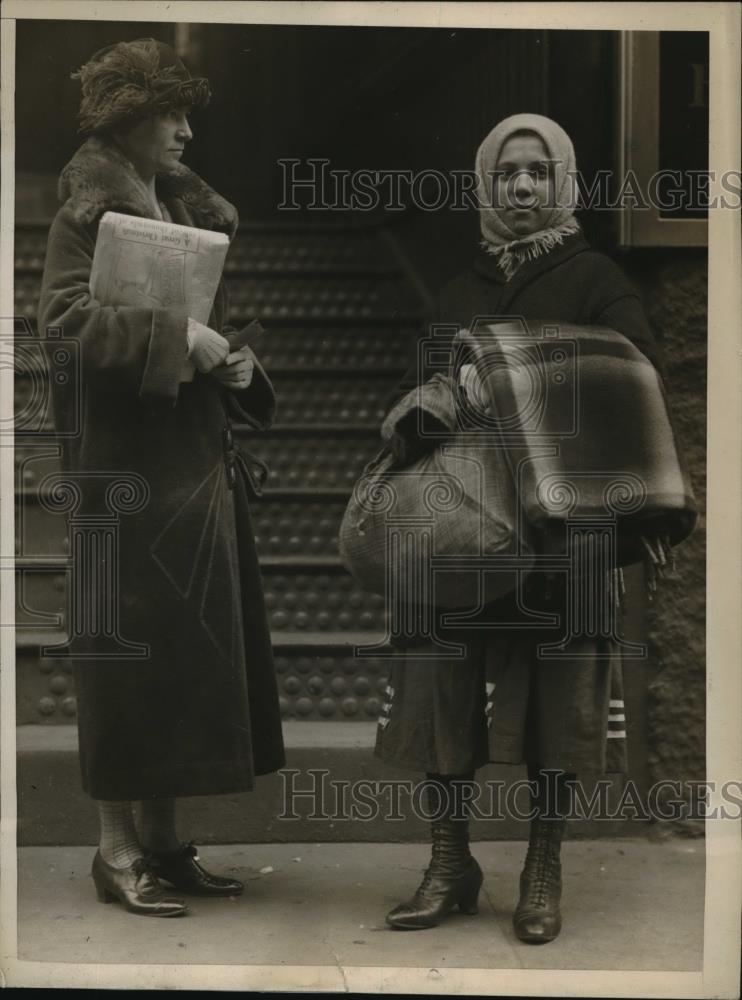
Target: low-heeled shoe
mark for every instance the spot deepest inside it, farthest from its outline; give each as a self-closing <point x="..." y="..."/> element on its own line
<point x="136" y="887"/>
<point x="182" y="870"/>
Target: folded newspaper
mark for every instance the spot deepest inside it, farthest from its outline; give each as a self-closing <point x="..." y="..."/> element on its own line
<point x="142" y="262"/>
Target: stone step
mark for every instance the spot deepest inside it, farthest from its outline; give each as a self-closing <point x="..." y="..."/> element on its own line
<point x="326" y="761"/>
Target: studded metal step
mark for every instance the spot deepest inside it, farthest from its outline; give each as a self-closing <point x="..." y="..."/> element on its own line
<point x="358" y="349"/>
<point x="314" y="460"/>
<point x="262" y="249"/>
<point x="319" y="677"/>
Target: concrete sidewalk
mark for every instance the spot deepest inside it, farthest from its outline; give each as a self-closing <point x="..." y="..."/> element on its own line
<point x="628" y="904"/>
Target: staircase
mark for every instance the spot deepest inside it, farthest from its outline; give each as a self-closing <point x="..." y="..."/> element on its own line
<point x="339" y="314"/>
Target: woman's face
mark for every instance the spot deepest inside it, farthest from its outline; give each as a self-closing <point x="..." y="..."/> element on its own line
<point x="523" y="184"/>
<point x="155" y="145"/>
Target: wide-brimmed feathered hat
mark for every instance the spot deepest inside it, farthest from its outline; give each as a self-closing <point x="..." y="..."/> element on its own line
<point x="134" y="80"/>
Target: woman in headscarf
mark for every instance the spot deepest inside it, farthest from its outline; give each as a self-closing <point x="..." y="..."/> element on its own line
<point x="561" y="717"/>
<point x="199" y="714"/>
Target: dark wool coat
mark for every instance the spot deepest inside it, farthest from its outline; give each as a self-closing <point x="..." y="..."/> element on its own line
<point x="503" y="702"/>
<point x="572" y="284"/>
<point x="199" y="715"/>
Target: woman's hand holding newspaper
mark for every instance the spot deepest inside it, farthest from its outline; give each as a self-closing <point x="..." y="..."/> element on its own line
<point x="206" y="347"/>
<point x="237" y="371"/>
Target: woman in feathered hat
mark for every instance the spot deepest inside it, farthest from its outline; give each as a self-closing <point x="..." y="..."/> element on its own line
<point x="503" y="703"/>
<point x="199" y="715"/>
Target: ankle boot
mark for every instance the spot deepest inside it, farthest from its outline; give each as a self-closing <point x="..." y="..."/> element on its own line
<point x="452" y="879"/>
<point x="537" y="918"/>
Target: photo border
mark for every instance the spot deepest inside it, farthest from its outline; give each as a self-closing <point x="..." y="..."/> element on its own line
<point x="720" y="975"/>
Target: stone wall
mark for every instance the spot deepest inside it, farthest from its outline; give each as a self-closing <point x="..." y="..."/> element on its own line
<point x="674" y="287"/>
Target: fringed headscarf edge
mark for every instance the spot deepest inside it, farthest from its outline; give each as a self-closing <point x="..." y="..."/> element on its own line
<point x="510" y="256"/>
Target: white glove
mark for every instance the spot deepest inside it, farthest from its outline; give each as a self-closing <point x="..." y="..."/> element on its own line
<point x="206" y="347"/>
<point x="236" y="372"/>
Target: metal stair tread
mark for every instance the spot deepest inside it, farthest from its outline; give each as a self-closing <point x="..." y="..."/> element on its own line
<point x="304" y="427"/>
<point x="285" y="270"/>
<point x="268" y="562"/>
<point x="283" y="225"/>
<point x="30" y="495"/>
<point x="329" y="370"/>
<point x="301" y="562"/>
<point x="300" y="492"/>
<point x="338" y="641"/>
<point x="357" y="735"/>
<point x="328" y="319"/>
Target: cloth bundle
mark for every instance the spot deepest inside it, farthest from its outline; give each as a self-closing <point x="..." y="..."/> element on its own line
<point x="454" y="502"/>
<point x="573" y="428"/>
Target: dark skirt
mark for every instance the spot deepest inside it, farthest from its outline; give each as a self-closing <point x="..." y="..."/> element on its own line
<point x="505" y="700"/>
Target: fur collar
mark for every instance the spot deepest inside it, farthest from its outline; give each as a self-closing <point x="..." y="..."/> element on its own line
<point x="99" y="178"/>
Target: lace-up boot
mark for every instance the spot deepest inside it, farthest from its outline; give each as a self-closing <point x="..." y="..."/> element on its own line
<point x="452" y="879"/>
<point x="537" y="918"/>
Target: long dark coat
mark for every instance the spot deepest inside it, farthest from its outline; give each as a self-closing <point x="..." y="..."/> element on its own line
<point x="572" y="284"/>
<point x="199" y="714"/>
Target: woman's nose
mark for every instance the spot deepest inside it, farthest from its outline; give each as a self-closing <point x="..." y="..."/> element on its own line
<point x="522" y="185"/>
<point x="184" y="130"/>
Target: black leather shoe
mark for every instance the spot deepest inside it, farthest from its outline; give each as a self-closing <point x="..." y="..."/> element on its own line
<point x="182" y="870"/>
<point x="136" y="887"/>
<point x="537" y="918"/>
<point x="453" y="879"/>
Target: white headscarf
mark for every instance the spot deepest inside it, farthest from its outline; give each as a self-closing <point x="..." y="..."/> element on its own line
<point x="498" y="239"/>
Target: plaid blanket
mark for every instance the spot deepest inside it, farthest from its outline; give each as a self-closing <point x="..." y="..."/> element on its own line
<point x="584" y="421"/>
